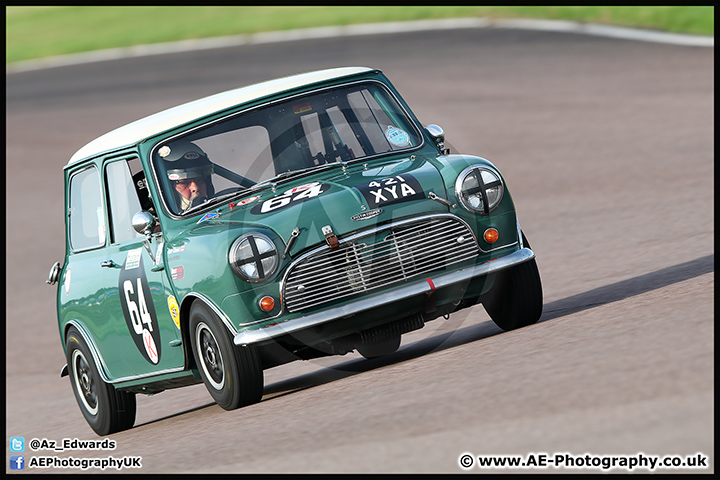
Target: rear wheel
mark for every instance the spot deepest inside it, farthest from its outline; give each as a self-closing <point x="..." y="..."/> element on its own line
<point x="106" y="410"/>
<point x="232" y="374"/>
<point x="516" y="299"/>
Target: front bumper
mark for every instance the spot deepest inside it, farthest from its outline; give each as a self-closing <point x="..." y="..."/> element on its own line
<point x="265" y="334"/>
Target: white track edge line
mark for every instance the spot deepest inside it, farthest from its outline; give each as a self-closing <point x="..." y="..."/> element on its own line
<point x="360" y="29"/>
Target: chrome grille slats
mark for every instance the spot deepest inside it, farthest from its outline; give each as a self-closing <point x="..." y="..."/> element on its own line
<point x="378" y="256"/>
<point x="400" y="251"/>
<point x="372" y="269"/>
<point x="310" y="299"/>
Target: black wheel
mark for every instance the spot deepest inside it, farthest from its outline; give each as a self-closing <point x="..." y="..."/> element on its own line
<point x="106" y="410"/>
<point x="379" y="349"/>
<point x="516" y="299"/>
<point x="232" y="374"/>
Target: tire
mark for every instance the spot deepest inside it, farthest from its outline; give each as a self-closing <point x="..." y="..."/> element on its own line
<point x="380" y="349"/>
<point x="516" y="299"/>
<point x="232" y="375"/>
<point x="106" y="410"/>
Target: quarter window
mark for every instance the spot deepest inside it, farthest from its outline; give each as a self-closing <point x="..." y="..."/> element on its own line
<point x="87" y="216"/>
<point x="123" y="200"/>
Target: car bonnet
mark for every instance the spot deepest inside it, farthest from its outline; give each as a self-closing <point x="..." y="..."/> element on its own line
<point x="346" y="200"/>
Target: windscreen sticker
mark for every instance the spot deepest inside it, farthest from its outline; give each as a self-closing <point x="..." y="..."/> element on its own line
<point x="387" y="191"/>
<point x="164" y="151"/>
<point x="302" y="108"/>
<point x="138" y="308"/>
<point x="397" y="136"/>
<point x="291" y="197"/>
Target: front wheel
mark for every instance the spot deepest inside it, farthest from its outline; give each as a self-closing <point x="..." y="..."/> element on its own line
<point x="232" y="374"/>
<point x="379" y="349"/>
<point x="516" y="299"/>
<point x="106" y="410"/>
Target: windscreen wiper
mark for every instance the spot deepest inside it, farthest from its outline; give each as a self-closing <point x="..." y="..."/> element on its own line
<point x="295" y="173"/>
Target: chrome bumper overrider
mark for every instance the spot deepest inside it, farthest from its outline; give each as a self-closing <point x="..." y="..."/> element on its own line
<point x="261" y="335"/>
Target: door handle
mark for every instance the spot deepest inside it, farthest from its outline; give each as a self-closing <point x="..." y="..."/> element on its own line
<point x="108" y="263"/>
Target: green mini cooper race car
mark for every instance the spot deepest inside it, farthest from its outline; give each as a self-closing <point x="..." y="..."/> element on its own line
<point x="305" y="216"/>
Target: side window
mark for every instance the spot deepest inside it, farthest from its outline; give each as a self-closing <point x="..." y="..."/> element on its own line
<point x="87" y="216"/>
<point x="122" y="199"/>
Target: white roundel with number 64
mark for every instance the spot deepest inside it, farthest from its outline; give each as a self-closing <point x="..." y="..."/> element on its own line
<point x="290" y="197"/>
<point x="140" y="316"/>
<point x="138" y="308"/>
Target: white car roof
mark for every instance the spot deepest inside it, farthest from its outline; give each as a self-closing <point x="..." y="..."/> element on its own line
<point x="162" y="121"/>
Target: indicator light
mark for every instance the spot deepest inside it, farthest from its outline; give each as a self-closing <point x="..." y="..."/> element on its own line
<point x="266" y="304"/>
<point x="491" y="235"/>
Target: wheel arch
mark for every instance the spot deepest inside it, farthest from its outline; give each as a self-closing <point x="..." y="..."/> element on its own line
<point x="185" y="305"/>
<point x="84" y="333"/>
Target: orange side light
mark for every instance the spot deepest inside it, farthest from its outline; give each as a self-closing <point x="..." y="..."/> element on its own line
<point x="267" y="303"/>
<point x="491" y="235"/>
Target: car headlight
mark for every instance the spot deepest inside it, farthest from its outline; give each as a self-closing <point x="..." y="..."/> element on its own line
<point x="253" y="257"/>
<point x="479" y="189"/>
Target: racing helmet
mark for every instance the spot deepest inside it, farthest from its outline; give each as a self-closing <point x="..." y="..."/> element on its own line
<point x="184" y="159"/>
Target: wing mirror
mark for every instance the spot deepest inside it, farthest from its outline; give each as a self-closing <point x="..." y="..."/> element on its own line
<point x="438" y="135"/>
<point x="54" y="274"/>
<point x="144" y="224"/>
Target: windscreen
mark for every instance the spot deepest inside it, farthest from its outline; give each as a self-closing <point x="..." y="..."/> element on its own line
<point x="354" y="122"/>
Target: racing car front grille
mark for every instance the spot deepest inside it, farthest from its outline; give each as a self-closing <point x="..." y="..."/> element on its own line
<point x="401" y="252"/>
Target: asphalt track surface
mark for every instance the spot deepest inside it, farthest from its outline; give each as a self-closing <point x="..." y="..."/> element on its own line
<point x="608" y="149"/>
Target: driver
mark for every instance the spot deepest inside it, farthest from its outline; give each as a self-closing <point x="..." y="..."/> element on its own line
<point x="189" y="170"/>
